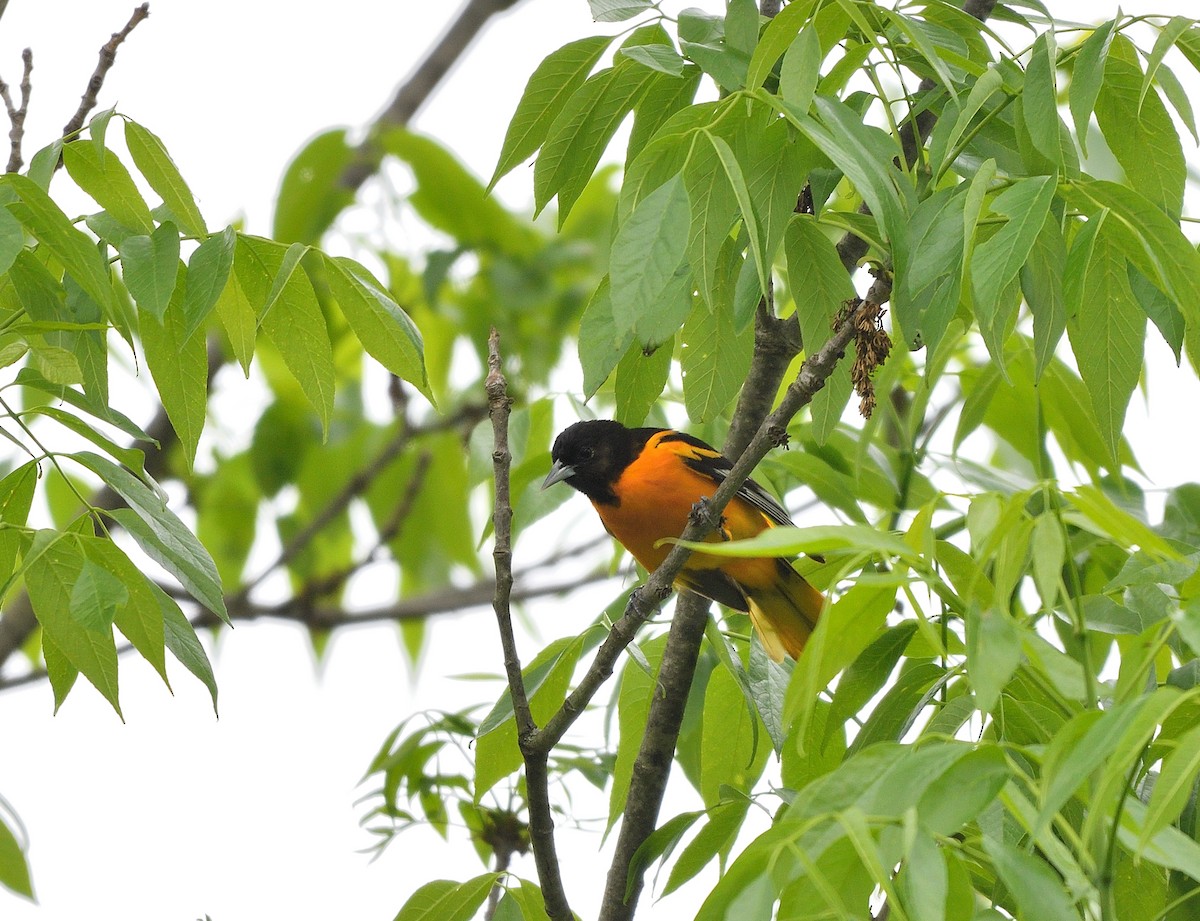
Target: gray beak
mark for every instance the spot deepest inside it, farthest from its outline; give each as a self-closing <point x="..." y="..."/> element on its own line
<point x="558" y="473"/>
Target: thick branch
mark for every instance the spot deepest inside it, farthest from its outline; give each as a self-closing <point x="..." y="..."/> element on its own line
<point x="656" y="754"/>
<point x="108" y="56"/>
<point x="424" y="80"/>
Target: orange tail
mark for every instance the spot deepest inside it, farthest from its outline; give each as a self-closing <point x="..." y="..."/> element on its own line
<point x="784" y="613"/>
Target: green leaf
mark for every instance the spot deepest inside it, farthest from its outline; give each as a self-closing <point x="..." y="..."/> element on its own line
<point x="733" y="750"/>
<point x="1087" y="77"/>
<point x="582" y="130"/>
<point x="777" y="38"/>
<point x="665" y="97"/>
<point x="1167" y="36"/>
<point x="383" y="328"/>
<point x="1042" y="286"/>
<point x="662" y="58"/>
<point x="1040" y="101"/>
<point x="1107" y="329"/>
<point x="867" y="674"/>
<point x="445" y="900"/>
<point x="800" y="70"/>
<point x="450" y="198"/>
<point x="179" y="366"/>
<point x="715" y="361"/>
<point x="294" y="324"/>
<point x="640" y="380"/>
<point x="718" y="834"/>
<point x="768" y="681"/>
<point x="150" y="267"/>
<point x="1174" y="785"/>
<point x="901" y="704"/>
<point x="746" y="205"/>
<point x="648" y="258"/>
<point x="95" y="597"/>
<point x="923" y="879"/>
<point x="151" y="158"/>
<point x="12" y="240"/>
<point x="107" y="181"/>
<point x="659" y="843"/>
<point x="53" y="229"/>
<point x="865" y="155"/>
<point x="1158" y="307"/>
<point x="617" y="10"/>
<point x="949" y="132"/>
<point x="713" y="208"/>
<point x="239" y="319"/>
<point x="993" y="653"/>
<point x="54" y="565"/>
<point x="1149" y="239"/>
<point x="776" y="163"/>
<point x="998" y="260"/>
<point x="160" y="533"/>
<point x="207" y="276"/>
<point x="843" y="631"/>
<point x="600" y="345"/>
<point x="930" y="268"/>
<point x="61" y="673"/>
<point x="312" y="193"/>
<point x="819" y="285"/>
<point x="1037" y="889"/>
<point x="964" y="790"/>
<point x="551" y="85"/>
<point x="180" y="637"/>
<point x="1140" y="133"/>
<point x="30" y="379"/>
<point x="14" y="868"/>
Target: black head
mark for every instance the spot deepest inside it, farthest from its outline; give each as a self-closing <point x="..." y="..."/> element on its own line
<point x="590" y="456"/>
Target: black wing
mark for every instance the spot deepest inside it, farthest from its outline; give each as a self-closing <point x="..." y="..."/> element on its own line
<point x="716" y="466"/>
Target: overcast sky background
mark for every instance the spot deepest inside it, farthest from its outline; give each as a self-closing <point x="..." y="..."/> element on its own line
<point x="174" y="814"/>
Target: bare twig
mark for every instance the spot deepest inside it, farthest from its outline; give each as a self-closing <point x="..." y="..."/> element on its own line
<point x="537" y="781"/>
<point x="108" y="56"/>
<point x="315" y="617"/>
<point x="16" y="115"/>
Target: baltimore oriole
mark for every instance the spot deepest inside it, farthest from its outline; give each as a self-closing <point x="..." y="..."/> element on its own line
<point x="643" y="483"/>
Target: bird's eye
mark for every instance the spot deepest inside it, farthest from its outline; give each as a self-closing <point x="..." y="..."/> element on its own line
<point x="587" y="453"/>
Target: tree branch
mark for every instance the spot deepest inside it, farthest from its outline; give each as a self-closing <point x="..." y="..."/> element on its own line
<point x="108" y="56"/>
<point x="416" y="90"/>
<point x="16" y="115"/>
<point x="537" y="780"/>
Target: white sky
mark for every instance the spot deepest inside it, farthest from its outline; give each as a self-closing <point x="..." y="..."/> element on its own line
<point x="174" y="814"/>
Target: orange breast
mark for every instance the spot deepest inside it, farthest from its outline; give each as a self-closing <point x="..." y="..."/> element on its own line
<point x="657" y="492"/>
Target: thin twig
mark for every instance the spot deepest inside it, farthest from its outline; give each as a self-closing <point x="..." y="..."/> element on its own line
<point x="108" y="56"/>
<point x="447" y="601"/>
<point x="16" y="115"/>
<point x="330" y="583"/>
<point x="537" y="781"/>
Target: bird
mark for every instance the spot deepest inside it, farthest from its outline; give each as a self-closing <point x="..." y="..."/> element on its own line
<point x="643" y="483"/>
